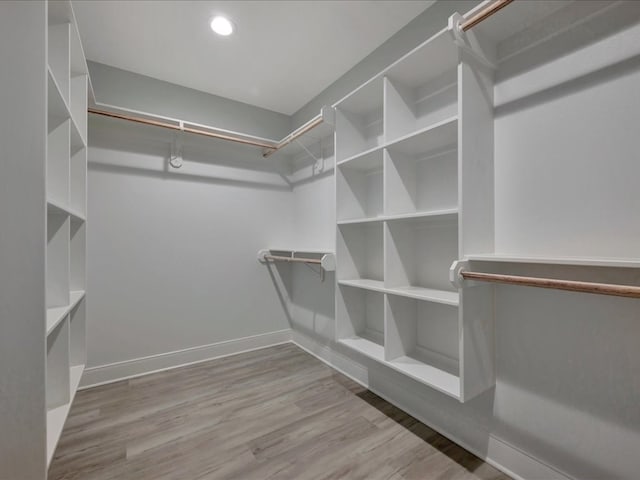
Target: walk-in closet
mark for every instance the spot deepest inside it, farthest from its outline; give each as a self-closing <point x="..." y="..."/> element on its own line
<point x="313" y="240"/>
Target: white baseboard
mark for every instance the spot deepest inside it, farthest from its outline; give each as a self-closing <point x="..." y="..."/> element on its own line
<point x="114" y="372"/>
<point x="512" y="461"/>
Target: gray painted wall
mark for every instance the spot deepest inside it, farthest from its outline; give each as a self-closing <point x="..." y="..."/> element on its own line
<point x="122" y="88"/>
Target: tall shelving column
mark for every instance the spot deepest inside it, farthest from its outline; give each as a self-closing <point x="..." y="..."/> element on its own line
<point x="66" y="167"/>
<point x="408" y="208"/>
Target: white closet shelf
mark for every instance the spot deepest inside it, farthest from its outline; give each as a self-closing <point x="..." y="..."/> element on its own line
<point x="428" y="139"/>
<point x="436" y="378"/>
<point x="360" y="161"/>
<point x="56" y="314"/>
<point x="577" y="261"/>
<point x="54" y="208"/>
<point x="427" y="294"/>
<point x="365" y="283"/>
<point x="444" y="297"/>
<point x="365" y="347"/>
<point x="57" y="416"/>
<point x="355" y="221"/>
<point x="450" y="213"/>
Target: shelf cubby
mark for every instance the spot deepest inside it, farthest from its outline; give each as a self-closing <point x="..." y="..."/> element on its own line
<point x="422" y="171"/>
<point x="421" y="88"/>
<point x="77" y="329"/>
<point x="58" y="57"/>
<point x="360" y="252"/>
<point x="58" y="160"/>
<point x="359" y="120"/>
<point x="360" y="320"/>
<point x="58" y="365"/>
<point x="419" y="253"/>
<point x="422" y="342"/>
<point x="359" y="187"/>
<point x="57" y="260"/>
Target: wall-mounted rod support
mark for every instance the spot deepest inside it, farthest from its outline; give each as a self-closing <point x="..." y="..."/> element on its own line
<point x="484" y="14"/>
<point x="195" y="131"/>
<point x="569" y="285"/>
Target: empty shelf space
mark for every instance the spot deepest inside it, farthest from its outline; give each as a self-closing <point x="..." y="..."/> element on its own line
<point x="427" y="294"/>
<point x="434" y="377"/>
<point x="365" y="347"/>
<point x="446" y="214"/>
<point x="56" y="314"/>
<point x="422" y="342"/>
<point x="355" y="221"/>
<point x="412" y="108"/>
<point x="431" y="138"/>
<point x="359" y="188"/>
<point x="361" y="158"/>
<point x="359" y="120"/>
<point x="56" y="417"/>
<point x="57" y="107"/>
<point x="360" y="251"/>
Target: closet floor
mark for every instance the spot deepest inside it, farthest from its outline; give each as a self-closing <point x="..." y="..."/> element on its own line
<point x="276" y="413"/>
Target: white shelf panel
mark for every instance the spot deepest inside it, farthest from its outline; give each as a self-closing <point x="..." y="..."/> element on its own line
<point x="363" y="161"/>
<point x="365" y="347"/>
<point x="56" y="315"/>
<point x="356" y="221"/>
<point x="54" y="208"/>
<point x="77" y="141"/>
<point x="447" y="214"/>
<point x="429" y="139"/>
<point x="434" y="377"/>
<point x="56" y="417"/>
<point x="427" y="294"/>
<point x="374" y="285"/>
<point x="577" y="261"/>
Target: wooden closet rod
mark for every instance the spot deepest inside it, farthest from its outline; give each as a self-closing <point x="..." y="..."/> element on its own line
<point x="296" y="134"/>
<point x="569" y="285"/>
<point x="277" y="258"/>
<point x="484" y="14"/>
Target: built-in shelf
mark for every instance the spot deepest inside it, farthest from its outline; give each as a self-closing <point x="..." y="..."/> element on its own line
<point x="57" y="314"/>
<point x="445" y="297"/>
<point x="360" y="158"/>
<point x="431" y="138"/>
<point x="578" y="261"/>
<point x="54" y="208"/>
<point x="355" y="221"/>
<point x="57" y="106"/>
<point x="418" y="216"/>
<point x="56" y="417"/>
<point x="434" y="377"/>
<point x="367" y="284"/>
<point x="365" y="347"/>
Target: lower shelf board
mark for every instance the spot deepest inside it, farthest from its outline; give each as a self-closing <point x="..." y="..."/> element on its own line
<point x="367" y="284"/>
<point x="434" y="377"/>
<point x="445" y="297"/>
<point x="57" y="416"/>
<point x="365" y="347"/>
<point x="56" y="314"/>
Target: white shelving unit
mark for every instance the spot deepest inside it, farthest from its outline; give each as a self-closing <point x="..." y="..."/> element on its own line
<point x="43" y="192"/>
<point x="407" y="209"/>
<point x="66" y="196"/>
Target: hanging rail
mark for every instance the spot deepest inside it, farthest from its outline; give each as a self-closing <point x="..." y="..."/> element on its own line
<point x="325" y="116"/>
<point x="195" y="131"/>
<point x="483" y="14"/>
<point x="569" y="285"/>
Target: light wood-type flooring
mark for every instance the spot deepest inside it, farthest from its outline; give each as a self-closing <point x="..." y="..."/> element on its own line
<point x="275" y="413"/>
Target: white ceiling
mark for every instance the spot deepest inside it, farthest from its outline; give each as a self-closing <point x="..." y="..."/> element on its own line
<point x="283" y="54"/>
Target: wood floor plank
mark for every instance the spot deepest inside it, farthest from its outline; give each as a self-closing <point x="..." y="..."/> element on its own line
<point x="271" y="414"/>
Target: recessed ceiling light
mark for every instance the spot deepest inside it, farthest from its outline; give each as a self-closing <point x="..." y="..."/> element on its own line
<point x="222" y="25"/>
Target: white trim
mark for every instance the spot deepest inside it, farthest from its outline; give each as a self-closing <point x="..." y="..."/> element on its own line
<point x="503" y="456"/>
<point x="137" y="367"/>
